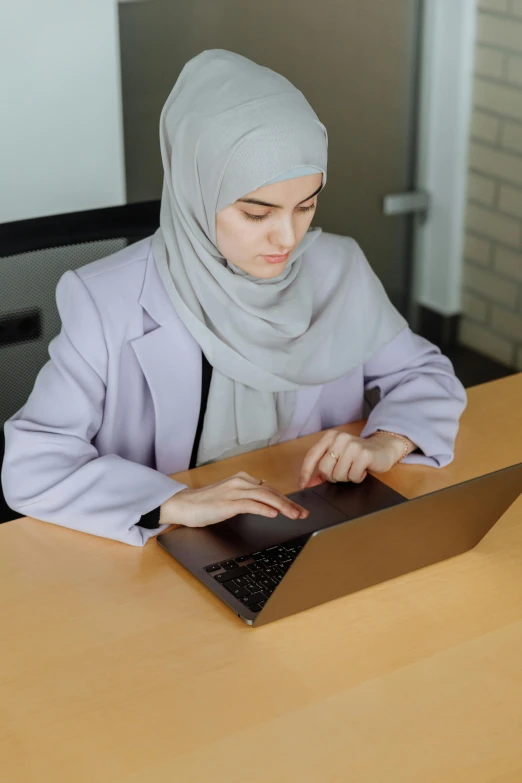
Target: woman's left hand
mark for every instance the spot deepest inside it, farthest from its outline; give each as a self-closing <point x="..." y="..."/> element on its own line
<point x="356" y="456"/>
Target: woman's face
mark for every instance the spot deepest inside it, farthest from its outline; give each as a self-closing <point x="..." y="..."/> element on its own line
<point x="248" y="233"/>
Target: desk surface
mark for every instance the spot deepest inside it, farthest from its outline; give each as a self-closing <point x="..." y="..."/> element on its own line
<point x="116" y="665"/>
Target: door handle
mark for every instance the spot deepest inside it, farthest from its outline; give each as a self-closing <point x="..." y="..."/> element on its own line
<point x="416" y="201"/>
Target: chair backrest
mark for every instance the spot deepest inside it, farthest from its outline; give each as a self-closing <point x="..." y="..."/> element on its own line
<point x="33" y="256"/>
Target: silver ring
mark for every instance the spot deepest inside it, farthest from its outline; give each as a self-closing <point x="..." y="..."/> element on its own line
<point x="333" y="455"/>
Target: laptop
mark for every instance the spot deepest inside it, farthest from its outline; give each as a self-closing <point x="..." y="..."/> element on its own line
<point x="356" y="535"/>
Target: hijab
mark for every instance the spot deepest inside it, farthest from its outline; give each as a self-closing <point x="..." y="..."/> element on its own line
<point x="228" y="127"/>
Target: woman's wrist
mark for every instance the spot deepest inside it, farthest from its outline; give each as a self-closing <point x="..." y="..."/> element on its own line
<point x="399" y="445"/>
<point x="168" y="509"/>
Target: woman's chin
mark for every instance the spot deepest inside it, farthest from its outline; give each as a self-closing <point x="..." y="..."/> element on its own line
<point x="274" y="271"/>
<point x="266" y="270"/>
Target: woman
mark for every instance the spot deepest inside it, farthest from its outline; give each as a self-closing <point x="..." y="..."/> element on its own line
<point x="232" y="328"/>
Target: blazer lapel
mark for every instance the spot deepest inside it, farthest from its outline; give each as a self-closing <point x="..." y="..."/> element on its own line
<point x="170" y="359"/>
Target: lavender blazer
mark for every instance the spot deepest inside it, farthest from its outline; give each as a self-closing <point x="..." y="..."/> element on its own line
<point x="115" y="409"/>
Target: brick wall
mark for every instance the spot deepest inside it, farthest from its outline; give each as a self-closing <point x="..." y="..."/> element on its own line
<point x="492" y="292"/>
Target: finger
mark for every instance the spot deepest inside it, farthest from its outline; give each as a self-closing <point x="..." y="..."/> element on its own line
<point x="279" y="502"/>
<point x="282" y="503"/>
<point x="301" y="509"/>
<point x="314" y="456"/>
<point x="240" y="484"/>
<point x="248" y="506"/>
<point x="242" y="477"/>
<point x="358" y="469"/>
<point x="335" y="453"/>
<point x="326" y="468"/>
<point x="345" y="461"/>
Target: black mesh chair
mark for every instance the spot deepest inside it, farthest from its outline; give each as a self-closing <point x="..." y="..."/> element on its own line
<point x="33" y="256"/>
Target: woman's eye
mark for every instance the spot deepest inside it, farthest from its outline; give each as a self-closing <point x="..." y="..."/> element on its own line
<point x="255" y="217"/>
<point x="262" y="217"/>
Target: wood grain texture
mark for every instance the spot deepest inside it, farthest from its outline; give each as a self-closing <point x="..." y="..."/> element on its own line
<point x="116" y="665"/>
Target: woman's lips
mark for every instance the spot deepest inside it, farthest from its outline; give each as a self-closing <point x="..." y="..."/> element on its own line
<point x="276" y="259"/>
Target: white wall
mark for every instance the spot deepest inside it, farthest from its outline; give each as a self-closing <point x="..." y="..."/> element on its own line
<point x="446" y="96"/>
<point x="61" y="139"/>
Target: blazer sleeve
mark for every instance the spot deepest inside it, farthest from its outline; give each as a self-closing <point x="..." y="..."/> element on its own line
<point x="420" y="397"/>
<point x="51" y="470"/>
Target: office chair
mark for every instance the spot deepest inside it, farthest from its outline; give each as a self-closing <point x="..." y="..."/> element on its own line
<point x="33" y="256"/>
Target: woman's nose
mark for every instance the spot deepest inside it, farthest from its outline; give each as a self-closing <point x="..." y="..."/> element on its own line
<point x="283" y="237"/>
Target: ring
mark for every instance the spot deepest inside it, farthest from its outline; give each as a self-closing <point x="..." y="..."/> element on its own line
<point x="333" y="455"/>
<point x="262" y="481"/>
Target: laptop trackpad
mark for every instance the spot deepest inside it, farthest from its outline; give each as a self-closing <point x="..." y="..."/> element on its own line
<point x="251" y="532"/>
<point x="356" y="500"/>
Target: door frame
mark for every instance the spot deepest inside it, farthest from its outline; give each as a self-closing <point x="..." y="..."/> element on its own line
<point x="445" y="91"/>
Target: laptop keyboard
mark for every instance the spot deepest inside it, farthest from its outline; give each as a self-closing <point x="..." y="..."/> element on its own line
<point x="253" y="578"/>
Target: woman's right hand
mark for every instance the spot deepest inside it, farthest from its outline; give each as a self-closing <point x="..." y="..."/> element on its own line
<point x="239" y="494"/>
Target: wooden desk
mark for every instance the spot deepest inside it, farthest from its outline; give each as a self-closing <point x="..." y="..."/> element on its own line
<point x="116" y="665"/>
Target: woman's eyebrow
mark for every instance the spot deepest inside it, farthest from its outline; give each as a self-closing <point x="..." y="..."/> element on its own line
<point x="275" y="206"/>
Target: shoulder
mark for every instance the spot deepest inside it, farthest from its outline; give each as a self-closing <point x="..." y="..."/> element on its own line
<point x="114" y="285"/>
<point x="123" y="271"/>
<point x="100" y="302"/>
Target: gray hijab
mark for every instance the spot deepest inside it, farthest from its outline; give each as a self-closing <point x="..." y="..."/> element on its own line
<point x="229" y="127"/>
